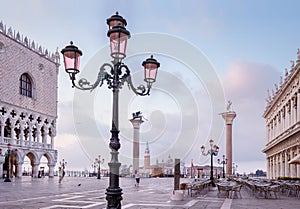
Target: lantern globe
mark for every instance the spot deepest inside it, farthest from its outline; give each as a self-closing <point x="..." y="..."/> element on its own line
<point x="118" y="37"/>
<point x="71" y="55"/>
<point x="151" y="66"/>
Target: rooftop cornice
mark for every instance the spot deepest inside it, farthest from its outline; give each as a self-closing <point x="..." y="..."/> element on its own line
<point x="279" y="90"/>
<point x="30" y="44"/>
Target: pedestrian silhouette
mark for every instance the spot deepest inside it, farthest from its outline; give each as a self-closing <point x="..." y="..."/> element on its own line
<point x="61" y="174"/>
<point x="137" y="178"/>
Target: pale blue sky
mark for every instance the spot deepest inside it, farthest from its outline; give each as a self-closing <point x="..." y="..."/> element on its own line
<point x="249" y="43"/>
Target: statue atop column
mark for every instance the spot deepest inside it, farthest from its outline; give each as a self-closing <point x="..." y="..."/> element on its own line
<point x="229" y="103"/>
<point x="137" y="115"/>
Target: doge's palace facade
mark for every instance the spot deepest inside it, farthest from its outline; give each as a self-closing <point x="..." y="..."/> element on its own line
<point x="28" y="103"/>
<point x="282" y="115"/>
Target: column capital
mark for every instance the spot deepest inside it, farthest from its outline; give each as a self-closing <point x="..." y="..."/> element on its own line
<point x="136" y="122"/>
<point x="2" y="119"/>
<point x="228" y="117"/>
<point x="13" y="121"/>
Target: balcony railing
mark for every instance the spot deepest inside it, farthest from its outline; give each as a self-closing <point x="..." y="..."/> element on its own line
<point x="26" y="143"/>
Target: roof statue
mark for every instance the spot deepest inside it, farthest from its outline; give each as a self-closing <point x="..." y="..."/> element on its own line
<point x="292" y="66"/>
<point x="268" y="99"/>
<point x="229" y="103"/>
<point x="276" y="87"/>
<point x="292" y="63"/>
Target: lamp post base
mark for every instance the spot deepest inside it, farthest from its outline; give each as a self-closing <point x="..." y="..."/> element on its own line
<point x="114" y="192"/>
<point x="114" y="197"/>
<point x="213" y="184"/>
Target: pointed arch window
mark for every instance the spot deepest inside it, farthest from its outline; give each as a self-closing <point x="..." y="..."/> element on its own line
<point x="26" y="85"/>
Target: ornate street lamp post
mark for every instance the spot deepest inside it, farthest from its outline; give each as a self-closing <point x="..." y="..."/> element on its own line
<point x="223" y="162"/>
<point x="94" y="167"/>
<point x="99" y="161"/>
<point x="63" y="164"/>
<point x="115" y="75"/>
<point x="234" y="168"/>
<point x="213" y="151"/>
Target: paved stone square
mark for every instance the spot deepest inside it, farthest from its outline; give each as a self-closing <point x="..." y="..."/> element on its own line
<point x="79" y="192"/>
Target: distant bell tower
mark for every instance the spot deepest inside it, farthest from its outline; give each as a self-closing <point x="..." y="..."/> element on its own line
<point x="147" y="157"/>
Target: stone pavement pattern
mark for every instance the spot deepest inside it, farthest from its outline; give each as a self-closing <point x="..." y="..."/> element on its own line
<point x="28" y="193"/>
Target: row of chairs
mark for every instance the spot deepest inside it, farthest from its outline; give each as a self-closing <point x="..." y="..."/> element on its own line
<point x="195" y="187"/>
<point x="229" y="191"/>
<point x="266" y="192"/>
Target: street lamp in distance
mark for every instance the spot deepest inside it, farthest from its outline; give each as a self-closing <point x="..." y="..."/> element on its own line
<point x="213" y="151"/>
<point x="234" y="168"/>
<point x="223" y="162"/>
<point x="99" y="162"/>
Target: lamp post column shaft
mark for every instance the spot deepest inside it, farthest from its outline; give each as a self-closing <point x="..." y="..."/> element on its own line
<point x="114" y="192"/>
<point x="115" y="116"/>
<point x="223" y="169"/>
<point x="99" y="169"/>
<point x="211" y="168"/>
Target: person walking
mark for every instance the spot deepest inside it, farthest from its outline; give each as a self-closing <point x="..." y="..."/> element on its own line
<point x="137" y="178"/>
<point x="60" y="174"/>
<point x="61" y="171"/>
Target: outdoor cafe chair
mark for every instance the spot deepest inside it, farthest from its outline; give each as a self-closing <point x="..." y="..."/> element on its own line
<point x="236" y="191"/>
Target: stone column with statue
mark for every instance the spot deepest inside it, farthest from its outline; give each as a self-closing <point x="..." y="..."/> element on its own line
<point x="136" y="123"/>
<point x="228" y="117"/>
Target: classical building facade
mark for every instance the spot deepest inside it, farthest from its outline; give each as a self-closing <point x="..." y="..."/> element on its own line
<point x="282" y="115"/>
<point x="28" y="102"/>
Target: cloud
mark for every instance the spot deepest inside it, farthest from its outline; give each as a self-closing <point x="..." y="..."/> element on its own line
<point x="245" y="85"/>
<point x="249" y="80"/>
<point x="71" y="150"/>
